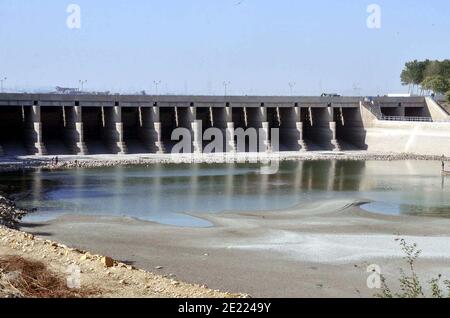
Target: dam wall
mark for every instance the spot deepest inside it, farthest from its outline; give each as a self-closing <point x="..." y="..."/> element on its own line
<point x="58" y="124"/>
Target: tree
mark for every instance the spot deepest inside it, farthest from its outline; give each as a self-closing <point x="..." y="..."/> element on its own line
<point x="427" y="75"/>
<point x="406" y="78"/>
<point x="413" y="73"/>
<point x="432" y="69"/>
<point x="445" y="69"/>
<point x="438" y="84"/>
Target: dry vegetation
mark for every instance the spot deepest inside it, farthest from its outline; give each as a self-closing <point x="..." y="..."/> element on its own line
<point x="21" y="278"/>
<point x="10" y="214"/>
<point x="411" y="286"/>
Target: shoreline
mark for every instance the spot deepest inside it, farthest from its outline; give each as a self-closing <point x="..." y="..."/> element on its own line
<point x="111" y="278"/>
<point x="108" y="277"/>
<point x="25" y="163"/>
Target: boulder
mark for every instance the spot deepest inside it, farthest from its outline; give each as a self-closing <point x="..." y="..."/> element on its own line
<point x="107" y="261"/>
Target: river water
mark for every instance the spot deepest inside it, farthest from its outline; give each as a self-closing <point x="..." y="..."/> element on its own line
<point x="168" y="193"/>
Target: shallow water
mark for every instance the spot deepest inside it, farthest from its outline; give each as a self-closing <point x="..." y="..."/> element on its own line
<point x="165" y="193"/>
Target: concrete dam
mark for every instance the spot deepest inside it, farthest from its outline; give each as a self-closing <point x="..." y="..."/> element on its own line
<point x="88" y="124"/>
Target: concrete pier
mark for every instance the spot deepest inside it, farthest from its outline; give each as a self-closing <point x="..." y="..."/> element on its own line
<point x="57" y="124"/>
<point x="196" y="129"/>
<point x="168" y="122"/>
<point x="150" y="131"/>
<point x="74" y="134"/>
<point x="229" y="135"/>
<point x="186" y="118"/>
<point x="291" y="129"/>
<point x="113" y="130"/>
<point x="350" y="129"/>
<point x="264" y="130"/>
<point x="323" y="128"/>
<point x="221" y="119"/>
<point x="33" y="130"/>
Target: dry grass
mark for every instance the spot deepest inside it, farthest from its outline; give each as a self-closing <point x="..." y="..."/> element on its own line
<point x="22" y="278"/>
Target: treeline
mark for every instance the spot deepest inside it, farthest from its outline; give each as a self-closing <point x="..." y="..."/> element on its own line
<point x="427" y="77"/>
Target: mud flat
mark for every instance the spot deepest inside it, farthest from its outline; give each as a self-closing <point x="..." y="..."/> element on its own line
<point x="316" y="250"/>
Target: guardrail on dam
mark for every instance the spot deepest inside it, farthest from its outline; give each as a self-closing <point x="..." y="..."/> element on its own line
<point x="54" y="124"/>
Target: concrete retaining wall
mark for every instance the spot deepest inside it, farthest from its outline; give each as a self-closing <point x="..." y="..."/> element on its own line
<point x="409" y="137"/>
<point x="436" y="111"/>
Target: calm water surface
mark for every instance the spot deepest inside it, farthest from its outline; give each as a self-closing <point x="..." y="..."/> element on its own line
<point x="167" y="193"/>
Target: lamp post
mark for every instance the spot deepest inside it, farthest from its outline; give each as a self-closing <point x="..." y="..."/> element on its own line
<point x="291" y="87"/>
<point x="157" y="83"/>
<point x="3" y="79"/>
<point x="82" y="82"/>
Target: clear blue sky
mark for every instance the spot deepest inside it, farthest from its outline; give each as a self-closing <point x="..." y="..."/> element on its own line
<point x="193" y="46"/>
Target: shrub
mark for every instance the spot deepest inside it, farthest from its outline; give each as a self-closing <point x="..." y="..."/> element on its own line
<point x="410" y="284"/>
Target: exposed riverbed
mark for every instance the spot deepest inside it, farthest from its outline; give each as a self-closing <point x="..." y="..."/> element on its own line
<point x="308" y="230"/>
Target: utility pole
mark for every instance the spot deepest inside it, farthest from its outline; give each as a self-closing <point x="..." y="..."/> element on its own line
<point x="225" y="85"/>
<point x="156" y="83"/>
<point x="3" y="79"/>
<point x="291" y="87"/>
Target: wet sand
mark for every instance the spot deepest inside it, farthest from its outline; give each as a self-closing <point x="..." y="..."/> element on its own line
<point x="314" y="250"/>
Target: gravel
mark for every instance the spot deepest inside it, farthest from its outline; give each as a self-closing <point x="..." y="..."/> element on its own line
<point x="72" y="162"/>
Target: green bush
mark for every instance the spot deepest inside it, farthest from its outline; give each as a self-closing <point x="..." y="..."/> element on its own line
<point x="410" y="284"/>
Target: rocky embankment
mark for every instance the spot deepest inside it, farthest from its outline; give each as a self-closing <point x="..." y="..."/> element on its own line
<point x="109" y="277"/>
<point x="148" y="160"/>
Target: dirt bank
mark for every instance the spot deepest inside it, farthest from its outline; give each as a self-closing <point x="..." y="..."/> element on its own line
<point x="110" y="278"/>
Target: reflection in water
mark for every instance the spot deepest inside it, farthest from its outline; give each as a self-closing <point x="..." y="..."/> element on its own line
<point x="164" y="193"/>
